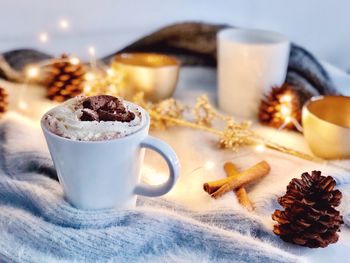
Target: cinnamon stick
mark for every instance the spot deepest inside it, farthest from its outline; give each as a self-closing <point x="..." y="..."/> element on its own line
<point x="243" y="199"/>
<point x="250" y="175"/>
<point x="212" y="187"/>
<point x="241" y="193"/>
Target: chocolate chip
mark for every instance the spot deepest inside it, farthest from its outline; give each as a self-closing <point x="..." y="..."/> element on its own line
<point x="101" y="101"/>
<point x="106" y="116"/>
<point x="117" y="116"/>
<point x="87" y="104"/>
<point x="89" y="115"/>
<point x="105" y="108"/>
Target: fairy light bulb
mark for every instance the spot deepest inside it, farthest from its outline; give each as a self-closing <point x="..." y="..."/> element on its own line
<point x="157" y="178"/>
<point x="110" y="72"/>
<point x="152" y="176"/>
<point x="22" y="105"/>
<point x="89" y="76"/>
<point x="63" y="24"/>
<point x="92" y="51"/>
<point x="74" y="61"/>
<point x="87" y="88"/>
<point x="32" y="72"/>
<point x="260" y="148"/>
<point x="43" y="37"/>
<point x="287" y="119"/>
<point x="287" y="98"/>
<point x="286" y="107"/>
<point x="285" y="110"/>
<point x="209" y="165"/>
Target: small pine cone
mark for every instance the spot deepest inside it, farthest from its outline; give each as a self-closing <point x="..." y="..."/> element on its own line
<point x="310" y="218"/>
<point x="4" y="103"/>
<point x="64" y="80"/>
<point x="273" y="105"/>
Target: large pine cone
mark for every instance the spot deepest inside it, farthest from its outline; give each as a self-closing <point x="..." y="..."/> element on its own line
<point x="270" y="112"/>
<point x="309" y="218"/>
<point x="3" y="101"/>
<point x="65" y="80"/>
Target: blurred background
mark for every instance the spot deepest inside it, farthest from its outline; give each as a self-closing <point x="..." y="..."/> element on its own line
<point x="320" y="26"/>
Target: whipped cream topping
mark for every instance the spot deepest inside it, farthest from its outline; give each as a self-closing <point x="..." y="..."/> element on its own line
<point x="95" y="118"/>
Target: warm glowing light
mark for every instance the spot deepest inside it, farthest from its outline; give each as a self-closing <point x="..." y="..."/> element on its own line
<point x="92" y="51"/>
<point x="209" y="165"/>
<point x="110" y="72"/>
<point x="74" y="60"/>
<point x="87" y="88"/>
<point x="22" y="105"/>
<point x="287" y="119"/>
<point x="153" y="177"/>
<point x="260" y="148"/>
<point x="90" y="76"/>
<point x="32" y="72"/>
<point x="43" y="37"/>
<point x="157" y="178"/>
<point x="287" y="98"/>
<point x="63" y="24"/>
<point x="285" y="110"/>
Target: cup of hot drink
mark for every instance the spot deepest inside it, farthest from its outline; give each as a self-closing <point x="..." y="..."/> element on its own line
<point x="97" y="145"/>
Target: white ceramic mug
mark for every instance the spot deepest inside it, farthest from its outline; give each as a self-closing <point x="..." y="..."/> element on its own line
<point x="106" y="174"/>
<point x="250" y="62"/>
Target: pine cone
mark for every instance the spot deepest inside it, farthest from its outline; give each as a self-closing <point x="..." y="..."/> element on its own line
<point x="270" y="112"/>
<point x="310" y="218"/>
<point x="65" y="80"/>
<point x="4" y="103"/>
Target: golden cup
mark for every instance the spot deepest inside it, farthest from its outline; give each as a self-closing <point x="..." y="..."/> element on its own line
<point x="154" y="74"/>
<point x="326" y="123"/>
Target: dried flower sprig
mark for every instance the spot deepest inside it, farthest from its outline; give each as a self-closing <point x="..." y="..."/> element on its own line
<point x="235" y="134"/>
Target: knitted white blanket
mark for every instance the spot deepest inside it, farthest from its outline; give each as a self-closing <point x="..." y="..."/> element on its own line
<point x="38" y="225"/>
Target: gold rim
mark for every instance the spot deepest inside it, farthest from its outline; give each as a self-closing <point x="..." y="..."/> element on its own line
<point x="318" y="115"/>
<point x="146" y="60"/>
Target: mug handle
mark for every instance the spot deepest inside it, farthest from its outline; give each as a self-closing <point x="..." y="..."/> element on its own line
<point x="172" y="161"/>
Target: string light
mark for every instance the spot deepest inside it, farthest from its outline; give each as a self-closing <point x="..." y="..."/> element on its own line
<point x="110" y="72"/>
<point x="209" y="165"/>
<point x="287" y="119"/>
<point x="22" y="105"/>
<point x="285" y="110"/>
<point x="87" y="88"/>
<point x="286" y="107"/>
<point x="63" y="23"/>
<point x="92" y="51"/>
<point x="260" y="148"/>
<point x="287" y="98"/>
<point x="32" y="72"/>
<point x="153" y="177"/>
<point x="89" y="76"/>
<point x="43" y="37"/>
<point x="74" y="60"/>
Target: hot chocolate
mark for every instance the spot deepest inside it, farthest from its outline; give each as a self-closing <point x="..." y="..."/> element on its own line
<point x="95" y="118"/>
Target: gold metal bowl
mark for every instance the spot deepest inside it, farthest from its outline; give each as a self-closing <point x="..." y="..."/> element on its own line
<point x="326" y="123"/>
<point x="154" y="74"/>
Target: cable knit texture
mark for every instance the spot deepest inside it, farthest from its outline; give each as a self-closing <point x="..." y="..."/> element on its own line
<point x="38" y="225"/>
